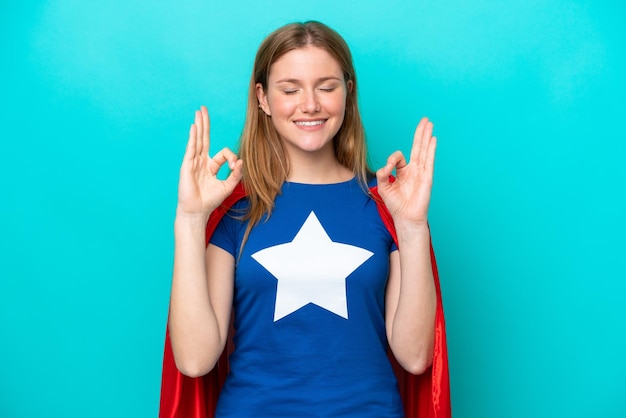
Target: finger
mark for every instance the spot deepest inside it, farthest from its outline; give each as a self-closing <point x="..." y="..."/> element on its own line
<point x="235" y="175"/>
<point x="395" y="160"/>
<point x="198" y="122"/>
<point x="206" y="129"/>
<point x="429" y="164"/>
<point x="427" y="136"/>
<point x="190" y="150"/>
<point x="417" y="139"/>
<point x="223" y="156"/>
<point x="382" y="176"/>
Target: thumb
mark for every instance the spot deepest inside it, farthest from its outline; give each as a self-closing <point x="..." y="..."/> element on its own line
<point x="383" y="174"/>
<point x="235" y="175"/>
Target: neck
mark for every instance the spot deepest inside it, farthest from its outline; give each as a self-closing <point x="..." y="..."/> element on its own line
<point x="312" y="169"/>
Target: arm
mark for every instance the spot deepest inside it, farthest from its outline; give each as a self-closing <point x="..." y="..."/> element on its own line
<point x="410" y="300"/>
<point x="202" y="283"/>
<point x="410" y="303"/>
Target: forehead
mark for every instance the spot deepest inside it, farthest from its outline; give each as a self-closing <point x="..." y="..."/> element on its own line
<point x="305" y="63"/>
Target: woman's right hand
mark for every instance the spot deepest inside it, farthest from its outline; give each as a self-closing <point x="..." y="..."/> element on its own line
<point x="199" y="189"/>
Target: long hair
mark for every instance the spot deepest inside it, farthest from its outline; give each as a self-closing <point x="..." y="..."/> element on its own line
<point x="265" y="163"/>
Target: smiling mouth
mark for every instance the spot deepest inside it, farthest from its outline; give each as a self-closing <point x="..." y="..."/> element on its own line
<point x="309" y="122"/>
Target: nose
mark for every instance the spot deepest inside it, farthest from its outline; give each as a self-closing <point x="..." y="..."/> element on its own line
<point x="310" y="102"/>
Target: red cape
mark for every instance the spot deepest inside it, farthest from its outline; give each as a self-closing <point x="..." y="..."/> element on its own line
<point x="424" y="396"/>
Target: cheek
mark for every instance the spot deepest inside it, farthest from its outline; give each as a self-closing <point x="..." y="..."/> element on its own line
<point x="339" y="112"/>
<point x="282" y="105"/>
<point x="336" y="105"/>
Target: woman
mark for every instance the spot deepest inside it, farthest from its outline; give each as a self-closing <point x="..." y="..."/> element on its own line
<point x="318" y="285"/>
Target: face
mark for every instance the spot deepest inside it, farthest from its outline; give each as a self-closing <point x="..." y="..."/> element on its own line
<point x="306" y="99"/>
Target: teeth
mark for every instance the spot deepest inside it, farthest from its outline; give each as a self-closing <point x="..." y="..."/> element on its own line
<point x="311" y="123"/>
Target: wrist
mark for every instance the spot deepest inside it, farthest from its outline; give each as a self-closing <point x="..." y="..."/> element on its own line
<point x="406" y="228"/>
<point x="203" y="214"/>
<point x="189" y="230"/>
<point x="190" y="218"/>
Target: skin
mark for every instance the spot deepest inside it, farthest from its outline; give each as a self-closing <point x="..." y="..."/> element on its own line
<point x="305" y="85"/>
<point x="411" y="297"/>
<point x="202" y="282"/>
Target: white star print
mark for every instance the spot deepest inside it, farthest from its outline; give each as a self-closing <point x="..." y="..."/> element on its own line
<point x="311" y="269"/>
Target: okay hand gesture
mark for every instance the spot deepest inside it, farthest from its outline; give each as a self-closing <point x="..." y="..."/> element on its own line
<point x="199" y="189"/>
<point x="409" y="196"/>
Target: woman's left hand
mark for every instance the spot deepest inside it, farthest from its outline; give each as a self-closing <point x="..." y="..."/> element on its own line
<point x="408" y="197"/>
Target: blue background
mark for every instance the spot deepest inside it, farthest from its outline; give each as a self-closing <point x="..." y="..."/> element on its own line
<point x="527" y="211"/>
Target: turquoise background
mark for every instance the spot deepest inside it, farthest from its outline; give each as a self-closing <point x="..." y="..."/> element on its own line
<point x="527" y="211"/>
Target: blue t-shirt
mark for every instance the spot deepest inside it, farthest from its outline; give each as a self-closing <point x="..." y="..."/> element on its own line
<point x="310" y="335"/>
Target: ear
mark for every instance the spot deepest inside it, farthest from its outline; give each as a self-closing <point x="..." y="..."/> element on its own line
<point x="262" y="98"/>
<point x="349" y="85"/>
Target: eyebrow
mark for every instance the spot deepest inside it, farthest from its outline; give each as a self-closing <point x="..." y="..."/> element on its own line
<point x="296" y="81"/>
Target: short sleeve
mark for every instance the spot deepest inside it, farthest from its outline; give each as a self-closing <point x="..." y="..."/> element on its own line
<point x="225" y="234"/>
<point x="372" y="182"/>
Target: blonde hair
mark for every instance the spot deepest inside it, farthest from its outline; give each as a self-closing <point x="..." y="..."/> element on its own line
<point x="265" y="163"/>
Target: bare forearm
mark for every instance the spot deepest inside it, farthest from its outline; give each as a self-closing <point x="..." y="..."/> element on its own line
<point x="412" y="333"/>
<point x="193" y="324"/>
